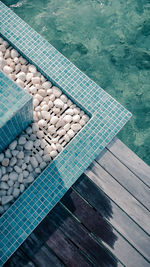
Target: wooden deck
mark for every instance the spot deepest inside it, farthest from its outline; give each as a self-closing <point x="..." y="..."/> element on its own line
<point x="103" y="220"/>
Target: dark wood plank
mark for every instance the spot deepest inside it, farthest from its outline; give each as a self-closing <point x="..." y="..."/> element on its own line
<point x="125" y="177"/>
<point x="81" y="237"/>
<point x="113" y="214"/>
<point x="19" y="259"/>
<point x="120" y="196"/>
<point x="130" y="160"/>
<point x="104" y="231"/>
<point x="60" y="245"/>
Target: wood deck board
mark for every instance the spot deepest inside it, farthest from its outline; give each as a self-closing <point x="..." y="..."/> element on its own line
<point x="113" y="214"/>
<point x="111" y="218"/>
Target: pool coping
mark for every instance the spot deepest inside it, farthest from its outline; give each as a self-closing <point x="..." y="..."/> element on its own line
<point x="107" y="118"/>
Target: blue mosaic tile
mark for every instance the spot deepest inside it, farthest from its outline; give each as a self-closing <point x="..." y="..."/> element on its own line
<point x="16" y="110"/>
<point x="107" y="118"/>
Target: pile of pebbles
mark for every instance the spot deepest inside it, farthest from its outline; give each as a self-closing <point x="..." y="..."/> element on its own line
<point x="56" y="121"/>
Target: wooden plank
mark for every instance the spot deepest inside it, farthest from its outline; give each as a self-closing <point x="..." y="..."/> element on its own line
<point x="104" y="231"/>
<point x="113" y="214"/>
<point x="120" y="196"/>
<point x="125" y="177"/>
<point x="60" y="245"/>
<point x="130" y="159"/>
<point x="19" y="259"/>
<point x="79" y="235"/>
<point x="45" y="258"/>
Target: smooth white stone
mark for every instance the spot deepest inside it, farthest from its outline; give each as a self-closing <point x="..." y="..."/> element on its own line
<point x="50" y="104"/>
<point x="52" y="97"/>
<point x="30" y="168"/>
<point x="2" y="193"/>
<point x="22" y="60"/>
<point x="35" y="127"/>
<point x="6" y="199"/>
<point x="56" y="91"/>
<point x="1" y="157"/>
<point x="29" y="145"/>
<point x="67" y="138"/>
<point x="21" y="76"/>
<point x="61" y="132"/>
<point x="82" y="122"/>
<point x="26" y="159"/>
<point x="32" y="68"/>
<point x="71" y="133"/>
<point x="33" y="90"/>
<point x="2" y="48"/>
<point x="76" y="127"/>
<point x="40" y="134"/>
<point x="5" y="178"/>
<point x="47" y="149"/>
<point x="18" y="67"/>
<point x="46" y="115"/>
<point x="2" y="63"/>
<point x="25" y="174"/>
<point x="7" y="69"/>
<point x="4" y="186"/>
<point x="16" y="60"/>
<point x="53" y="153"/>
<point x="42" y="92"/>
<point x="34" y="162"/>
<point x="10" y="182"/>
<point x="53" y="146"/>
<point x="20" y="177"/>
<point x="69" y="102"/>
<point x="12" y="76"/>
<point x="38" y="158"/>
<point x="42" y="165"/>
<point x="17" y="169"/>
<point x="85" y="118"/>
<point x="3" y="169"/>
<point x="22" y="140"/>
<point x="15" y="152"/>
<point x="28" y="130"/>
<point x="37" y="143"/>
<point x="76" y="111"/>
<point x="59" y="148"/>
<point x="76" y="118"/>
<point x="36" y="80"/>
<point x="46" y="85"/>
<point x="9" y="169"/>
<point x="33" y="137"/>
<point x="35" y="102"/>
<point x="60" y="123"/>
<point x="49" y="91"/>
<point x="51" y="129"/>
<point x="42" y="123"/>
<point x="20" y="155"/>
<point x="56" y="110"/>
<point x="64" y="98"/>
<point x="19" y="162"/>
<point x="5" y="162"/>
<point x="67" y="118"/>
<point x="24" y="68"/>
<point x="43" y="79"/>
<point x="22" y="188"/>
<point x="54" y="120"/>
<point x="14" y="53"/>
<point x="29" y="76"/>
<point x="13" y="176"/>
<point x="16" y="184"/>
<point x="16" y="192"/>
<point x="24" y="166"/>
<point x="39" y="97"/>
<point x="38" y="170"/>
<point x="59" y="103"/>
<point x="7" y="53"/>
<point x="10" y="190"/>
<point x="20" y="83"/>
<point x="69" y="111"/>
<point x="5" y="43"/>
<point x="47" y="158"/>
<point x="45" y="107"/>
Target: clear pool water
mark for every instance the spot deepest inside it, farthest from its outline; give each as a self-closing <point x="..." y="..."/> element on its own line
<point x="109" y="40"/>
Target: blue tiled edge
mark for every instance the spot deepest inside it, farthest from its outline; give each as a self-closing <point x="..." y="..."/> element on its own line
<point x="16" y="110"/>
<point x="108" y="117"/>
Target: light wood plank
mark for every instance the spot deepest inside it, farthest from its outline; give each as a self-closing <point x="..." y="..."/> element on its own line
<point x="130" y="159"/>
<point x="119" y="195"/>
<point x="125" y="177"/>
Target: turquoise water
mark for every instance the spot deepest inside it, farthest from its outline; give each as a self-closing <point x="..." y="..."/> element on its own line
<point x="109" y="40"/>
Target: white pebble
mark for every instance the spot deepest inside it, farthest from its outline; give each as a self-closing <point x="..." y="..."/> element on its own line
<point x="47" y="158"/>
<point x="25" y="174"/>
<point x="64" y="98"/>
<point x="46" y="85"/>
<point x="10" y="183"/>
<point x="76" y="118"/>
<point x="4" y="186"/>
<point x="54" y="120"/>
<point x="46" y="115"/>
<point x="53" y="153"/>
<point x="67" y="118"/>
<point x="17" y="169"/>
<point x="20" y="155"/>
<point x="32" y="69"/>
<point x="42" y="92"/>
<point x="6" y="199"/>
<point x="2" y="63"/>
<point x="36" y="80"/>
<point x="61" y="132"/>
<point x="51" y="129"/>
<point x="42" y="123"/>
<point x="35" y="102"/>
<point x="20" y="177"/>
<point x="21" y="76"/>
<point x="58" y="103"/>
<point x="29" y="76"/>
<point x="20" y="83"/>
<point x="4" y="178"/>
<point x="16" y="192"/>
<point x="82" y="122"/>
<point x="22" y="140"/>
<point x="7" y="69"/>
<point x="69" y="111"/>
<point x="45" y="107"/>
<point x="28" y="180"/>
<point x="85" y="118"/>
<point x="71" y="133"/>
<point x="18" y="67"/>
<point x="22" y="188"/>
<point x="13" y="176"/>
<point x="16" y="60"/>
<point x="28" y="145"/>
<point x="5" y="162"/>
<point x="76" y="127"/>
<point x="42" y="165"/>
<point x="14" y="53"/>
<point x="34" y="162"/>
